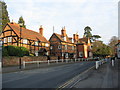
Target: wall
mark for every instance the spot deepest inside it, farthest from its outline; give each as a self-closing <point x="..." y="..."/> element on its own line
<point x="12" y="61"/>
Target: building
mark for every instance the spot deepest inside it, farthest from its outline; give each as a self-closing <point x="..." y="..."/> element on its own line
<point x="34" y="41"/>
<point x="62" y="46"/>
<point x="84" y="49"/>
<point x="117" y="50"/>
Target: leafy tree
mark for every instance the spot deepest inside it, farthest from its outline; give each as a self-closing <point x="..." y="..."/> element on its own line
<point x="4" y="18"/>
<point x="21" y="20"/>
<point x="113" y="41"/>
<point x="101" y="49"/>
<point x="95" y="37"/>
<point x="87" y="32"/>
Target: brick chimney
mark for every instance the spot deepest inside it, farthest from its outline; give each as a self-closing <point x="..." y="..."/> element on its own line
<point x="41" y="30"/>
<point x="63" y="32"/>
<point x="74" y="37"/>
<point x="77" y="36"/>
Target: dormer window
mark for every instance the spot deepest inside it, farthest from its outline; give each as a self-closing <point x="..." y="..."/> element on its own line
<point x="24" y="41"/>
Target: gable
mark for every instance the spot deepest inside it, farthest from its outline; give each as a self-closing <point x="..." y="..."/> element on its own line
<point x="54" y="38"/>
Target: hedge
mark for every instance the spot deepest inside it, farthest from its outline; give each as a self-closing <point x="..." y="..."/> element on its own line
<point x="15" y="51"/>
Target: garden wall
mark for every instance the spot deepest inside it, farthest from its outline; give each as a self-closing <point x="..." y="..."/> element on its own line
<point x="13" y="61"/>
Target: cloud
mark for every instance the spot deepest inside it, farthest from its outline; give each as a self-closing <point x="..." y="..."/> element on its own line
<point x="100" y="15"/>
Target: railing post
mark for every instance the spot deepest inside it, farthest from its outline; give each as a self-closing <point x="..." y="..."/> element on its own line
<point x="38" y="63"/>
<point x="75" y="59"/>
<point x="23" y="64"/>
<point x="66" y="61"/>
<point x="48" y="62"/>
<point x="62" y="60"/>
<point x="57" y="61"/>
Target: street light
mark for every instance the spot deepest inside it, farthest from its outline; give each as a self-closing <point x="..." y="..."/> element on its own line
<point x="21" y="24"/>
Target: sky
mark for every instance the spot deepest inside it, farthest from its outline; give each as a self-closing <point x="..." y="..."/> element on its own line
<point x="75" y="15"/>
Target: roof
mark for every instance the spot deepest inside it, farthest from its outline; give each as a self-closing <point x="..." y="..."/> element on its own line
<point x="85" y="40"/>
<point x="60" y="37"/>
<point x="42" y="50"/>
<point x="26" y="33"/>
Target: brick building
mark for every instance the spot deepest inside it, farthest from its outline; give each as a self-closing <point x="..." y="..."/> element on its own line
<point x="32" y="40"/>
<point x="84" y="49"/>
<point x="63" y="46"/>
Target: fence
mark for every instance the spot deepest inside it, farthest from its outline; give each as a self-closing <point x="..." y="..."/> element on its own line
<point x="58" y="61"/>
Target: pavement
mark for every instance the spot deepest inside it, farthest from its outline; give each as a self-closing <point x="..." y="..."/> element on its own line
<point x="107" y="76"/>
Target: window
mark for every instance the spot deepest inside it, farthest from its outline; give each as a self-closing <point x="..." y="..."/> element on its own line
<point x="72" y="47"/>
<point x="64" y="38"/>
<point x="66" y="55"/>
<point x="59" y="46"/>
<point x="5" y="40"/>
<point x="65" y="47"/>
<point x="36" y="43"/>
<point x="51" y="47"/>
<point x="47" y="45"/>
<point x="80" y="54"/>
<point x="25" y="41"/>
<point x="9" y="39"/>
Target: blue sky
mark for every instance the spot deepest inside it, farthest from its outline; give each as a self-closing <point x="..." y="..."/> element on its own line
<point x="75" y="15"/>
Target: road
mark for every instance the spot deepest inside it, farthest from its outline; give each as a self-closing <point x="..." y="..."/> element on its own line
<point x="51" y="77"/>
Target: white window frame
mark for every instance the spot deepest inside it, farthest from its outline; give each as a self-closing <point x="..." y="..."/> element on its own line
<point x="36" y="53"/>
<point x="66" y="47"/>
<point x="5" y="40"/>
<point x="25" y="41"/>
<point x="51" y="47"/>
<point x="9" y="39"/>
<point x="80" y="54"/>
<point x="72" y="47"/>
<point x="36" y="43"/>
<point x="59" y="46"/>
<point x="47" y="45"/>
<point x="66" y="55"/>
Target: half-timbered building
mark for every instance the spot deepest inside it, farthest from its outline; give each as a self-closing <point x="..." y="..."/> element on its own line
<point x="30" y="39"/>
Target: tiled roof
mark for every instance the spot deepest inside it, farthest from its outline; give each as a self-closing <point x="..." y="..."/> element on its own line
<point x="60" y="37"/>
<point x="27" y="34"/>
<point x="83" y="40"/>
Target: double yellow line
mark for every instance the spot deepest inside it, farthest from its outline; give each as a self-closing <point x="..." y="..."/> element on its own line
<point x="71" y="80"/>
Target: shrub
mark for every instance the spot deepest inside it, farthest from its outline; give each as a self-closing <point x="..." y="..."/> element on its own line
<point x="15" y="51"/>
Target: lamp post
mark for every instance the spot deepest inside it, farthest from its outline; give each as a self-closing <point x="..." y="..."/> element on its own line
<point x="20" y="64"/>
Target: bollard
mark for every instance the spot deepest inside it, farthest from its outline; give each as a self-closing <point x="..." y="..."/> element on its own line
<point x="113" y="63"/>
<point x="24" y="64"/>
<point x="75" y="59"/>
<point x="97" y="64"/>
<point x="48" y="62"/>
<point x="62" y="60"/>
<point x="57" y="61"/>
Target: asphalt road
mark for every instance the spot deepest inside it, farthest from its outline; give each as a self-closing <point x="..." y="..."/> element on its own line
<point x="51" y="77"/>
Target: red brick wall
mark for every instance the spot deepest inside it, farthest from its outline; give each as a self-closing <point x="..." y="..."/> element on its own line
<point x="12" y="61"/>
